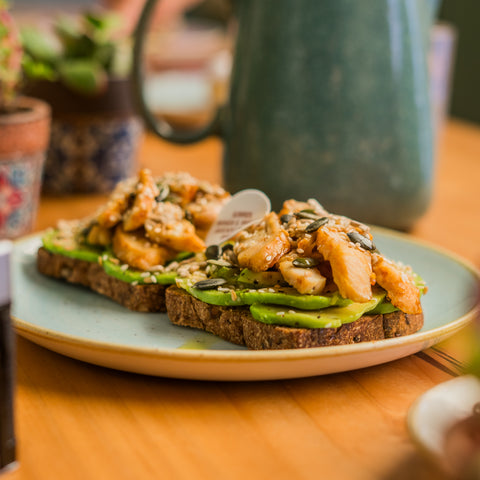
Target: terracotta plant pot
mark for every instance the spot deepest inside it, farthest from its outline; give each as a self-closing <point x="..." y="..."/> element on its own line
<point x="24" y="137"/>
<point x="94" y="140"/>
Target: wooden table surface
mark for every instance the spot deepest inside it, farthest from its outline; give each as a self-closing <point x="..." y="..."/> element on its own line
<point x="79" y="421"/>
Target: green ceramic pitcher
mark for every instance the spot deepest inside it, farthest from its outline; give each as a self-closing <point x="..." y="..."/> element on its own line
<point x="329" y="100"/>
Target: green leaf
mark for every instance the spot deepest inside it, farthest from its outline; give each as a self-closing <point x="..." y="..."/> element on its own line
<point x="68" y="31"/>
<point x="102" y="26"/>
<point x="39" y="46"/>
<point x="37" y="70"/>
<point x="83" y="76"/>
<point x="104" y="54"/>
<point x="121" y="63"/>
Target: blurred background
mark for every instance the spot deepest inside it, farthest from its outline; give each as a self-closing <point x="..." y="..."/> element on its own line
<point x="189" y="53"/>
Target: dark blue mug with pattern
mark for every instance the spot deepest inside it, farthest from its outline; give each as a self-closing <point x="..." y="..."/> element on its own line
<point x="329" y="99"/>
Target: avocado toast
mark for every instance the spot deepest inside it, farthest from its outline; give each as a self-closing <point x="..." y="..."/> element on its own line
<point x="300" y="278"/>
<point x="130" y="248"/>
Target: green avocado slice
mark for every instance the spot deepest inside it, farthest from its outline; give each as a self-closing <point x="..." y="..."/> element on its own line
<point x="130" y="276"/>
<point x="383" y="307"/>
<point x="286" y="296"/>
<point x="92" y="254"/>
<point x="331" y="317"/>
<point x="260" y="279"/>
<point x="81" y="252"/>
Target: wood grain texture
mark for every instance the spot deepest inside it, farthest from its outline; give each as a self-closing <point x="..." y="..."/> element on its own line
<point x="79" y="421"/>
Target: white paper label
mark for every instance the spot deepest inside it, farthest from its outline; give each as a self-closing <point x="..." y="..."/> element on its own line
<point x="245" y="208"/>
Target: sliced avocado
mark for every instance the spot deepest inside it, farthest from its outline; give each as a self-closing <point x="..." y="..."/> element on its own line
<point x="291" y="298"/>
<point x="287" y="296"/>
<point x="130" y="275"/>
<point x="81" y="252"/>
<point x="260" y="279"/>
<point x="382" y="308"/>
<point x="183" y="256"/>
<point x="229" y="274"/>
<point x="212" y="297"/>
<point x="90" y="254"/>
<point x="331" y="317"/>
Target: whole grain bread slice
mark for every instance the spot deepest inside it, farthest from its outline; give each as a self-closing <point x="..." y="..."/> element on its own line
<point x="140" y="298"/>
<point x="236" y="324"/>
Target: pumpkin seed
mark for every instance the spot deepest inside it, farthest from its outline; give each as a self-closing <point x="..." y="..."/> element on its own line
<point x="209" y="283"/>
<point x="307" y="214"/>
<point x="285" y="218"/>
<point x="212" y="251"/>
<point x="164" y="192"/>
<point x="363" y="241"/>
<point x="229" y="256"/>
<point x="313" y="227"/>
<point x="305" y="262"/>
<point x="85" y="231"/>
<point x="188" y="216"/>
<point x="227" y="247"/>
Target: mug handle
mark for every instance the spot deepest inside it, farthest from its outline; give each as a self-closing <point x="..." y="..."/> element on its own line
<point x="158" y="126"/>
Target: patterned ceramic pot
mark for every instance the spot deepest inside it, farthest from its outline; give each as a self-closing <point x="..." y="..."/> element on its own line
<point x="24" y="137"/>
<point x="94" y="140"/>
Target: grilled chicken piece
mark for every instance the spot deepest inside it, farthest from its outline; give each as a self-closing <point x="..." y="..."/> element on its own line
<point x="400" y="286"/>
<point x="205" y="209"/>
<point x="136" y="250"/>
<point x="351" y="265"/>
<point x="183" y="187"/>
<point x="262" y="245"/>
<point x="304" y="280"/>
<point x="146" y="191"/>
<point x="167" y="226"/>
<point x="98" y="235"/>
<point x="117" y="204"/>
<point x="307" y="246"/>
<point x="292" y="206"/>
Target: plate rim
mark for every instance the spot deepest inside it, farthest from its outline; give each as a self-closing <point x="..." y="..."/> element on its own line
<point x="427" y="338"/>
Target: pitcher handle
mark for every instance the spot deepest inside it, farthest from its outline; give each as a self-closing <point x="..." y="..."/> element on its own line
<point x="158" y="126"/>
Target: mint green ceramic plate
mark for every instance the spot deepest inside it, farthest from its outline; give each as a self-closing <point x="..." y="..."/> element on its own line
<point x="73" y="321"/>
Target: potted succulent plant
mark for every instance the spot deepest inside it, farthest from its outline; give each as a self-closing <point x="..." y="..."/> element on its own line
<point x="24" y="136"/>
<point x="82" y="71"/>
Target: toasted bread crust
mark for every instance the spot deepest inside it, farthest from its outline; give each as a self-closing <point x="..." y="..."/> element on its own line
<point x="235" y="324"/>
<point x="140" y="298"/>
